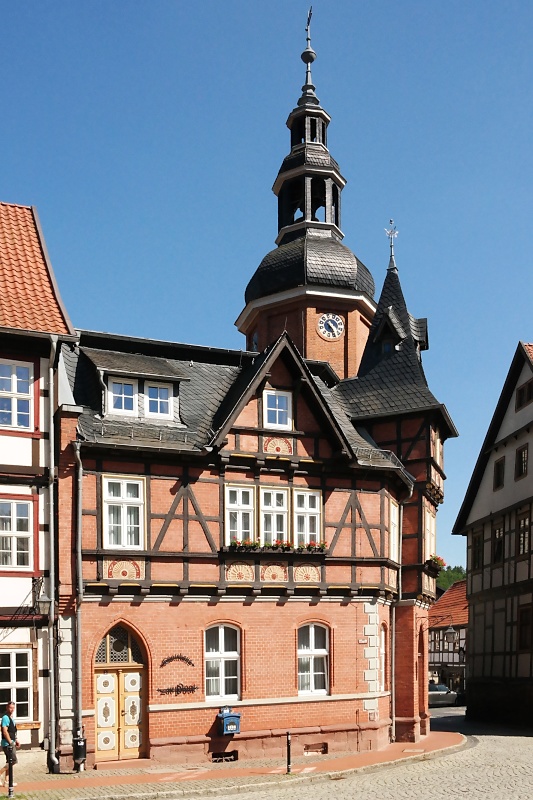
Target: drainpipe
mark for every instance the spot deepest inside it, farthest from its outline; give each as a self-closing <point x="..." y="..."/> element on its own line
<point x="53" y="763"/>
<point x="393" y="619"/>
<point x="79" y="592"/>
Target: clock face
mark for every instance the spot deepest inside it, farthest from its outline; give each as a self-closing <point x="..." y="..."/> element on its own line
<point x="330" y="326"/>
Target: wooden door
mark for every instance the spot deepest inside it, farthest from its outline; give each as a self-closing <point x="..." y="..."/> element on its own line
<point x="119" y="717"/>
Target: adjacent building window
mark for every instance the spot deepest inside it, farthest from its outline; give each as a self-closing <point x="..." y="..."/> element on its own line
<point x="122" y="397"/>
<point x="274" y="516"/>
<point x="222" y="662"/>
<point x="158" y="400"/>
<point x="16" y="381"/>
<point x="313" y="651"/>
<point x="123" y="513"/>
<point x="394" y="546"/>
<point x="524" y="628"/>
<point x="477" y="550"/>
<point x="307" y="510"/>
<point x="523" y="530"/>
<point x="521" y="457"/>
<point x="497" y="542"/>
<point x="239" y="513"/>
<point x="16" y="681"/>
<point x="524" y="394"/>
<point x="277" y="409"/>
<point x="499" y="473"/>
<point x="15" y="534"/>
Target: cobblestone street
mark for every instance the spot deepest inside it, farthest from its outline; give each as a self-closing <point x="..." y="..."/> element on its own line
<point x="497" y="763"/>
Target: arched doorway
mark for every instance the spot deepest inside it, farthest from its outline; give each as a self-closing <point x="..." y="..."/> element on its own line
<point x="120" y="680"/>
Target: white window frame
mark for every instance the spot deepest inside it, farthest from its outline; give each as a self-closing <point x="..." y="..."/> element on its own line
<point x="17" y="397"/>
<point x="110" y="396"/>
<point x="272" y="514"/>
<point x="394" y="526"/>
<point x="303" y="517"/>
<point x="239" y="513"/>
<point x="123" y="503"/>
<point x="430" y="538"/>
<point x="277" y="394"/>
<point x="159" y="414"/>
<point x="222" y="659"/>
<point x="16" y="535"/>
<point x="314" y="655"/>
<point x="12" y="689"/>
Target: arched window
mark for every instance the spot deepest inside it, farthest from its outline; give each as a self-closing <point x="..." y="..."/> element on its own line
<point x="313" y="652"/>
<point x="119" y="646"/>
<point x="222" y="662"/>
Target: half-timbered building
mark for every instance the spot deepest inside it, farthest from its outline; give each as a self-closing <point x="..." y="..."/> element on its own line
<point x="246" y="529"/>
<point x="253" y="529"/>
<point x="496" y="518"/>
<point x="447" y="653"/>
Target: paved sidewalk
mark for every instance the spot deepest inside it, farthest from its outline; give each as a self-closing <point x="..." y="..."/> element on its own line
<point x="169" y="781"/>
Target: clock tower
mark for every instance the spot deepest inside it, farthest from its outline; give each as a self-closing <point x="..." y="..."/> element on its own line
<point x="311" y="285"/>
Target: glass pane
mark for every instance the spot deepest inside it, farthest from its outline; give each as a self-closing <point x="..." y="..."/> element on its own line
<point x="5" y="675"/>
<point x="312" y="501"/>
<point x="153" y="407"/>
<point x="5" y="378"/>
<point x="232" y="497"/>
<point x="128" y="390"/>
<point x="5" y="516"/>
<point x="303" y="638"/>
<point x="114" y="520"/>
<point x="23" y="552"/>
<point x="211" y="640"/>
<point x="152" y="392"/>
<point x="164" y="407"/>
<point x="23" y="379"/>
<point x="319" y="669"/>
<point x="300" y="523"/>
<point x="245" y="497"/>
<point x="280" y="523"/>
<point x="245" y="519"/>
<point x="280" y="499"/>
<point x="5" y="551"/>
<point x="163" y="394"/>
<point x="300" y="500"/>
<point x="267" y="523"/>
<point x="230" y="640"/>
<point x="133" y="527"/>
<point x="113" y="489"/>
<point x="233" y="517"/>
<point x="23" y="513"/>
<point x="267" y="499"/>
<point x="320" y="638"/>
<point x="23" y="413"/>
<point x="5" y="411"/>
<point x="304" y="674"/>
<point x="132" y="490"/>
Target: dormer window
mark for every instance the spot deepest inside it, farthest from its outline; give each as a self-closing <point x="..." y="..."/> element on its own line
<point x="158" y="400"/>
<point x="122" y="397"/>
<point x="277" y="409"/>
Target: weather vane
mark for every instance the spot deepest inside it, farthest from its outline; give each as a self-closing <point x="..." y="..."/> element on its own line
<point x="392" y="233"/>
<point x="308" y="26"/>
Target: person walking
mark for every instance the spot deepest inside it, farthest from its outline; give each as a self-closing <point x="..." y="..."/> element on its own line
<point x="9" y="741"/>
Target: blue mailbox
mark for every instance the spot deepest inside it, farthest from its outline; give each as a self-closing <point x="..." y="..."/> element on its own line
<point x="229" y="721"/>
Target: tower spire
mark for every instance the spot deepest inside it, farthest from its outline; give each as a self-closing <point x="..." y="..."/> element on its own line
<point x="308" y="56"/>
<point x="392" y="233"/>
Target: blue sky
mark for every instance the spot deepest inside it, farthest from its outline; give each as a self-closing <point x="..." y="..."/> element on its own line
<point x="148" y="134"/>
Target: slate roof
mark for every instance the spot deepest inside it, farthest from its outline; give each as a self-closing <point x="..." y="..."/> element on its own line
<point x="309" y="260"/>
<point x="391" y="383"/>
<point x="29" y="297"/>
<point x="314" y="155"/>
<point x="452" y="603"/>
<point x="136" y="364"/>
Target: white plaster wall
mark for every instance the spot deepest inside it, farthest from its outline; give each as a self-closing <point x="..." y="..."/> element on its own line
<point x="15" y="451"/>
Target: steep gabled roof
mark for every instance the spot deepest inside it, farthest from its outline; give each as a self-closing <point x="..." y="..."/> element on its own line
<point x="451" y="608"/>
<point x="391" y="380"/>
<point x="29" y="297"/>
<point x="523" y="354"/>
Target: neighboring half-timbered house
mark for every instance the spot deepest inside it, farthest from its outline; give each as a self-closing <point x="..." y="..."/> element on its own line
<point x="33" y="324"/>
<point x="496" y="519"/>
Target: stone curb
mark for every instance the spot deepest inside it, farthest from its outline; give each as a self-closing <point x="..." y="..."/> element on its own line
<point x="276" y="780"/>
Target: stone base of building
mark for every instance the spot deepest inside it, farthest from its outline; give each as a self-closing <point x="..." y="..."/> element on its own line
<point x="187" y="750"/>
<point x="409" y="729"/>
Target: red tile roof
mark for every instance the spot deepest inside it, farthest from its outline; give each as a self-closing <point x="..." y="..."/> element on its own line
<point x="29" y="298"/>
<point x="451" y="608"/>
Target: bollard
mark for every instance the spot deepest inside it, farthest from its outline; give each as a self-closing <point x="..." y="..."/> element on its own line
<point x="289" y="765"/>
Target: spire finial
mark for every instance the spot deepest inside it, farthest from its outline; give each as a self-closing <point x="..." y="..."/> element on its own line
<point x="308" y="56"/>
<point x="392" y="233"/>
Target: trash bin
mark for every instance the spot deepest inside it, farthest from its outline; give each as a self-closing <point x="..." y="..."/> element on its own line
<point x="79" y="749"/>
